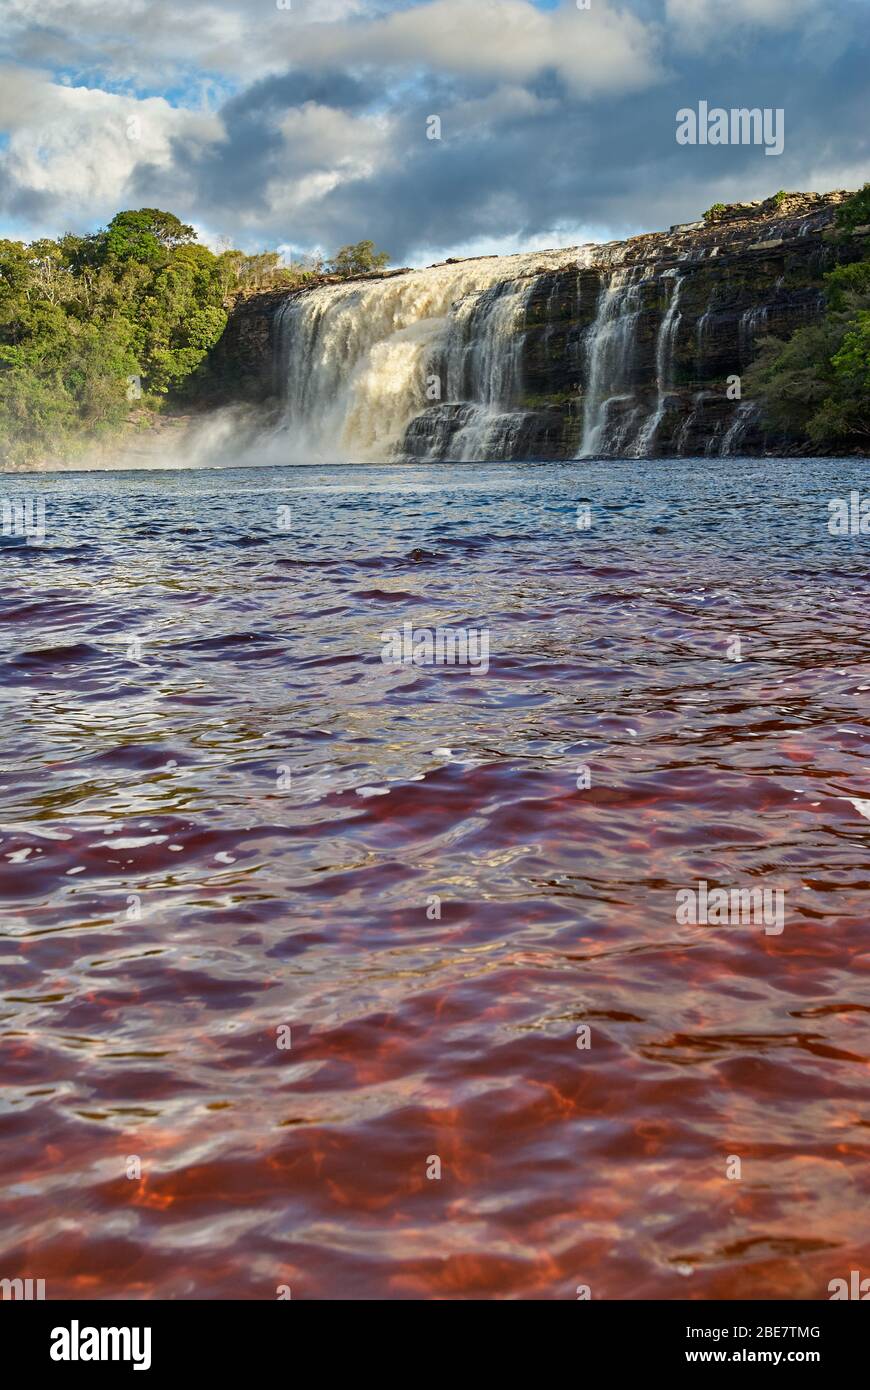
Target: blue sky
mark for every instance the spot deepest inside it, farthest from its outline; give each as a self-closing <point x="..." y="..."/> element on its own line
<point x="307" y="127"/>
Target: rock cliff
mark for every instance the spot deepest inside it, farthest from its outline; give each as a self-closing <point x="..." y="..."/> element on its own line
<point x="622" y="349"/>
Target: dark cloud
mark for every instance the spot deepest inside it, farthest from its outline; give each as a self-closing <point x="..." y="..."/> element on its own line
<point x="29" y="205"/>
<point x="612" y="164"/>
<point x="320" y="157"/>
<point x="273" y="95"/>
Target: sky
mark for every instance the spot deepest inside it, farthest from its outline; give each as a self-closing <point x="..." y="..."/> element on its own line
<point x="307" y="124"/>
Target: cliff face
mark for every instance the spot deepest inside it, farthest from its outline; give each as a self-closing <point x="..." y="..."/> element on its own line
<point x="621" y="349"/>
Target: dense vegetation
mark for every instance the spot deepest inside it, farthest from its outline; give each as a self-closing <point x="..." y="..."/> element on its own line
<point x="816" y="387"/>
<point x="94" y="329"/>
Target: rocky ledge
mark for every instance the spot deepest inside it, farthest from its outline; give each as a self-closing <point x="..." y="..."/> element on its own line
<point x="743" y="271"/>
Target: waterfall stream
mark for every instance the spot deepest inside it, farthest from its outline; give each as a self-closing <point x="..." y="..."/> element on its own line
<point x="743" y="417"/>
<point x="753" y="323"/>
<point x="664" y="371"/>
<point x="362" y="360"/>
<point x="483" y="358"/>
<point x="610" y="346"/>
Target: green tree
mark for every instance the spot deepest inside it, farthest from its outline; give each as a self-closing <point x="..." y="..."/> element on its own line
<point x="855" y="212"/>
<point x="180" y="317"/>
<point x="847" y="284"/>
<point x="15" y="270"/>
<point x="145" y="235"/>
<point x="815" y="387"/>
<point x="80" y="315"/>
<point x="852" y="362"/>
<point x="358" y="259"/>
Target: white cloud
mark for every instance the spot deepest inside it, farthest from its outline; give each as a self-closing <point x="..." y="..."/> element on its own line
<point x="320" y="137"/>
<point x="309" y="124"/>
<point x="149" y="42"/>
<point x="80" y="145"/>
<point x="765" y="14"/>
<point x="593" y="51"/>
<point x="511" y="244"/>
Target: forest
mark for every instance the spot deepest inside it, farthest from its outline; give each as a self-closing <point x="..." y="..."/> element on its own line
<point x="100" y="328"/>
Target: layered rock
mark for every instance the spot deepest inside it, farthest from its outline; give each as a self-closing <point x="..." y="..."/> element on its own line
<point x="621" y="349"/>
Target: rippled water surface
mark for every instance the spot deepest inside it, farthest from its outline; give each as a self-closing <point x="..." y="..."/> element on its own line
<point x="225" y="816"/>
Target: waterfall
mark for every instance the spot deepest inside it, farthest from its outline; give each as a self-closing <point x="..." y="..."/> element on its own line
<point x="701" y="331"/>
<point x="752" y="324"/>
<point x="743" y="416"/>
<point x="362" y="361"/>
<point x="664" y="370"/>
<point x="610" y="348"/>
<point x="482" y="365"/>
<point x="481" y="359"/>
<point x="689" y="423"/>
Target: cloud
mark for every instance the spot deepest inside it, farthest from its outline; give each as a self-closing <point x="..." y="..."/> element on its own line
<point x="604" y="48"/>
<point x="71" y="151"/>
<point x="556" y="123"/>
<point x="703" y="15"/>
<point x="699" y="25"/>
<point x="143" y="43"/>
<point x="593" y="51"/>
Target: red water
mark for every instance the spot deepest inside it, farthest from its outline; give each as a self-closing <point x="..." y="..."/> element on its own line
<point x="170" y="903"/>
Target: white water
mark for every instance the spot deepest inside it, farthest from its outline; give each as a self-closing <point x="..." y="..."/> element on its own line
<point x="752" y="324"/>
<point x="610" y="346"/>
<point x="701" y="331"/>
<point x="664" y="371"/>
<point x="689" y="423"/>
<point x="428" y="365"/>
<point x="362" y="360"/>
<point x="743" y="416"/>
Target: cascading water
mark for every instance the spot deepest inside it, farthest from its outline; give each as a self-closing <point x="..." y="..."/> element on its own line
<point x="490" y="358"/>
<point x="664" y="370"/>
<point x="743" y="417"/>
<point x="362" y="360"/>
<point x="610" y="346"/>
<point x="701" y="331"/>
<point x="752" y="324"/>
<point x="482" y="366"/>
<point x="689" y="422"/>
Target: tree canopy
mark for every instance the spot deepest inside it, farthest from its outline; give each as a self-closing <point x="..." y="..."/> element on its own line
<point x="816" y="386"/>
<point x="358" y="259"/>
<point x="98" y="330"/>
<point x="145" y="235"/>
